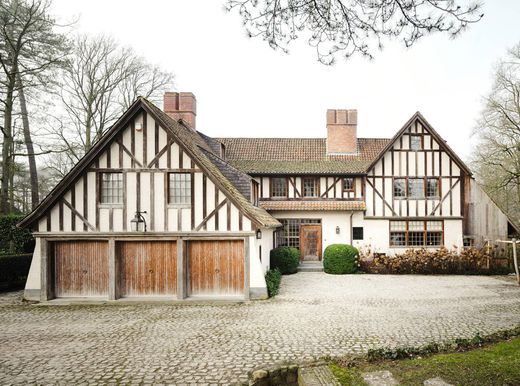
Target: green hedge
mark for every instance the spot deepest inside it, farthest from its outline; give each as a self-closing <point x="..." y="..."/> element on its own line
<point x="14" y="270"/>
<point x="340" y="259"/>
<point x="273" y="277"/>
<point x="286" y="259"/>
<point x="13" y="240"/>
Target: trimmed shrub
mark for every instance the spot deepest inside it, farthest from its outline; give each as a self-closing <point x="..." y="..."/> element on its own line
<point x="340" y="259"/>
<point x="273" y="277"/>
<point x="286" y="259"/>
<point x="14" y="240"/>
<point x="469" y="261"/>
<point x="14" y="270"/>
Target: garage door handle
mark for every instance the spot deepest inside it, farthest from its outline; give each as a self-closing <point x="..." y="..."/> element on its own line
<point x="151" y="271"/>
<point x="217" y="271"/>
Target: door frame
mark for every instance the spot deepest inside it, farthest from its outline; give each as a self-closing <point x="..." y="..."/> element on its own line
<point x="320" y="239"/>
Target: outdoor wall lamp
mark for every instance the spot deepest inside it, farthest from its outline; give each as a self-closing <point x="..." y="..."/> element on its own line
<point x="337" y="230"/>
<point x="138" y="223"/>
<point x="258" y="234"/>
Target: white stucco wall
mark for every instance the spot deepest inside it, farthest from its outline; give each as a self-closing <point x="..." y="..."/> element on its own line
<point x="257" y="285"/>
<point x="33" y="284"/>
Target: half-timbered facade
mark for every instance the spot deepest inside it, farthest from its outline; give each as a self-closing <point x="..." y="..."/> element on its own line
<point x="158" y="209"/>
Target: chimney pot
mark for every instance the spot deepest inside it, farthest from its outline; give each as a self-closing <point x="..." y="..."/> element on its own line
<point x="342" y="132"/>
<point x="181" y="105"/>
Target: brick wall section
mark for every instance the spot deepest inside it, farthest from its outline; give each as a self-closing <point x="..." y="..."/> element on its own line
<point x="181" y="105"/>
<point x="342" y="131"/>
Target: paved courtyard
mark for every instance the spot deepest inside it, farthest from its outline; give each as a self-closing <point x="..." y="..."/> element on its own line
<point x="315" y="315"/>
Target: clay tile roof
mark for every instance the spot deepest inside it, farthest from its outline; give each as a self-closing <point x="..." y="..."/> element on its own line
<point x="298" y="155"/>
<point x="313" y="205"/>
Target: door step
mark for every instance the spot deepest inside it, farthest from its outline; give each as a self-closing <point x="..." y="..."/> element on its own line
<point x="310" y="266"/>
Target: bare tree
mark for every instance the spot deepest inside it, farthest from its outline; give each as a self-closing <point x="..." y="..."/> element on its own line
<point x="347" y="27"/>
<point x="497" y="157"/>
<point x="101" y="81"/>
<point x="29" y="48"/>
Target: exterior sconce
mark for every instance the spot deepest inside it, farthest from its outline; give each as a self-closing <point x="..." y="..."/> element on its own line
<point x="337" y="230"/>
<point x="258" y="234"/>
<point x="139" y="127"/>
<point x="138" y="223"/>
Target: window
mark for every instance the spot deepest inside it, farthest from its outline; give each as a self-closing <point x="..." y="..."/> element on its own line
<point x="357" y="233"/>
<point x="179" y="190"/>
<point x="415" y="142"/>
<point x="254" y="192"/>
<point x="416" y="233"/>
<point x="289" y="233"/>
<point x="432" y="188"/>
<point x="400" y="187"/>
<point x="348" y="184"/>
<point x="278" y="187"/>
<point x="111" y="188"/>
<point x="416" y="187"/>
<point x="311" y="186"/>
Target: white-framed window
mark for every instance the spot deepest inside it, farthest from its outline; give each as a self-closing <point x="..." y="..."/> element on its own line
<point x="111" y="189"/>
<point x="179" y="188"/>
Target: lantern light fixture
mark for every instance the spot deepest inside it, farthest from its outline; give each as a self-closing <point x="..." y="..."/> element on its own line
<point x="138" y="223"/>
<point x="258" y="234"/>
<point x="337" y="230"/>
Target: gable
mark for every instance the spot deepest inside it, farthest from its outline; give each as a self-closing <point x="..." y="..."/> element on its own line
<point x="145" y="151"/>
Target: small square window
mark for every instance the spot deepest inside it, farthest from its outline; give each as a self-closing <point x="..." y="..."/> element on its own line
<point x="357" y="233"/>
<point x="180" y="188"/>
<point x="432" y="187"/>
<point x="348" y="184"/>
<point x="399" y="187"/>
<point x="415" y="142"/>
<point x="416" y="187"/>
<point x="111" y="188"/>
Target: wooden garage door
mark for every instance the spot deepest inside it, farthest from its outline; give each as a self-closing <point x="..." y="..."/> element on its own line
<point x="216" y="268"/>
<point x="147" y="268"/>
<point x="80" y="268"/>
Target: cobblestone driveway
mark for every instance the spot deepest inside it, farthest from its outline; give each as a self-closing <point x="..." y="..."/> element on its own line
<point x="315" y="315"/>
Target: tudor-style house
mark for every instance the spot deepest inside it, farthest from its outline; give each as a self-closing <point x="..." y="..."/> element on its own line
<point x="159" y="209"/>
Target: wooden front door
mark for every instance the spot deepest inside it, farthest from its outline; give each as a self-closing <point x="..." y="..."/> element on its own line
<point x="80" y="268"/>
<point x="216" y="268"/>
<point x="147" y="268"/>
<point x="310" y="242"/>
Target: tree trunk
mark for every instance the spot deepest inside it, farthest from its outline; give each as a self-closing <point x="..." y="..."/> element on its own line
<point x="33" y="172"/>
<point x="7" y="168"/>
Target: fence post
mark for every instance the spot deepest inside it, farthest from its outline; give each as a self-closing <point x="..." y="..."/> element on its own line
<point x="515" y="261"/>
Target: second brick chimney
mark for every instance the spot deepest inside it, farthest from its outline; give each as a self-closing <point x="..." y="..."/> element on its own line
<point x="341" y="131"/>
<point x="181" y="105"/>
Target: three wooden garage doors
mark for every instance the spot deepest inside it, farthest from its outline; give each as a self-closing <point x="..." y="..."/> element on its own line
<point x="148" y="268"/>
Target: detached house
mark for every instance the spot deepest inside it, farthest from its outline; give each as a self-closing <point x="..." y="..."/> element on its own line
<point x="158" y="209"/>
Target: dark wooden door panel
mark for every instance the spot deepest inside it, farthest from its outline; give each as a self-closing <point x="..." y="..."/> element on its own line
<point x="80" y="268"/>
<point x="310" y="242"/>
<point x="147" y="268"/>
<point x="216" y="268"/>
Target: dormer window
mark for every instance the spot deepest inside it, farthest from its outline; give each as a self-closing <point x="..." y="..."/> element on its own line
<point x="348" y="184"/>
<point x="311" y="186"/>
<point x="279" y="187"/>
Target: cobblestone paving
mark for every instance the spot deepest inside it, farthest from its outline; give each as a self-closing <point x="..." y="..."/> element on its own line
<point x="315" y="315"/>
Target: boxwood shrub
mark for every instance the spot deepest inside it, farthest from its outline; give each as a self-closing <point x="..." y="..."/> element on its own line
<point x="273" y="277"/>
<point x="286" y="259"/>
<point x="340" y="259"/>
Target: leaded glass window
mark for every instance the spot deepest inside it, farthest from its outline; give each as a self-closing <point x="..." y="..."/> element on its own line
<point x="416" y="188"/>
<point x="111" y="188"/>
<point x="278" y="187"/>
<point x="179" y="191"/>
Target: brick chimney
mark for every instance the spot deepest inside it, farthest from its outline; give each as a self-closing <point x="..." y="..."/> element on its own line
<point x="181" y="105"/>
<point x="342" y="132"/>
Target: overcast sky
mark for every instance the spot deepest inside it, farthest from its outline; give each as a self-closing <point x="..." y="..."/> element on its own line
<point x="244" y="88"/>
